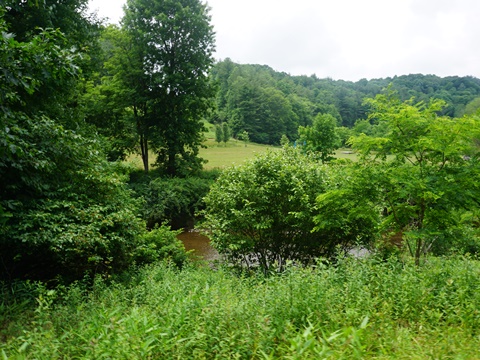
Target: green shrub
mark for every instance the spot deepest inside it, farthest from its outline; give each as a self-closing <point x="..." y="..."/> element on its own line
<point x="172" y="201"/>
<point x="70" y="210"/>
<point x="64" y="210"/>
<point x="345" y="213"/>
<point x="161" y="244"/>
<point x="263" y="210"/>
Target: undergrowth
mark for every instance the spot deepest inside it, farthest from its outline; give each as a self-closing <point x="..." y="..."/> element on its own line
<point x="359" y="308"/>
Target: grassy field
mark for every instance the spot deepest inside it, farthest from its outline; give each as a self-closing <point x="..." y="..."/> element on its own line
<point x="218" y="155"/>
<point x="233" y="152"/>
<point x="357" y="309"/>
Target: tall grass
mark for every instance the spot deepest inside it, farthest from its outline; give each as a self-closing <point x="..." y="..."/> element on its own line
<point x="355" y="309"/>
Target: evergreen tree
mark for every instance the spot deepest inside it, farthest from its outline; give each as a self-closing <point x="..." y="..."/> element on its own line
<point x="218" y="133"/>
<point x="226" y="132"/>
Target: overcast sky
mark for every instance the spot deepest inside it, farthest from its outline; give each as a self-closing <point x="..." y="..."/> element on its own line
<point x="344" y="39"/>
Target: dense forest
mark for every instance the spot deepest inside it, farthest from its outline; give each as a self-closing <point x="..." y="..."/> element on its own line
<point x="76" y="98"/>
<point x="268" y="104"/>
<point x="321" y="257"/>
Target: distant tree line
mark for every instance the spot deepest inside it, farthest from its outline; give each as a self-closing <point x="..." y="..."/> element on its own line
<point x="268" y="104"/>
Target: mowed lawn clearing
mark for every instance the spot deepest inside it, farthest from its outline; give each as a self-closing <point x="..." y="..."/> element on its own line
<point x="233" y="152"/>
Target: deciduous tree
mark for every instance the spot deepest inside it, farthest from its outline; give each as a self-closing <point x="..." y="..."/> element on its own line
<point x="321" y="138"/>
<point x="171" y="46"/>
<point x="427" y="167"/>
<point x="65" y="208"/>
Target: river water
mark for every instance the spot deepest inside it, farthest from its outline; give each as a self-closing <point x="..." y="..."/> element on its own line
<point x="200" y="244"/>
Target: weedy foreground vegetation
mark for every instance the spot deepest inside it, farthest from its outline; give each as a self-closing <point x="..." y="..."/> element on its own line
<point x="357" y="308"/>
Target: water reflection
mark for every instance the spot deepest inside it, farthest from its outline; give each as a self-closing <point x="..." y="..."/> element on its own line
<point x="193" y="240"/>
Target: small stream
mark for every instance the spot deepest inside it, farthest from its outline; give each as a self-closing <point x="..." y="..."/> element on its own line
<point x="193" y="240"/>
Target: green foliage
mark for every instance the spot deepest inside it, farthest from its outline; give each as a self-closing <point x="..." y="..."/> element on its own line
<point x="160" y="243"/>
<point x="226" y="133"/>
<point x="70" y="215"/>
<point x="105" y="100"/>
<point x="347" y="212"/>
<point x="358" y="309"/>
<point x="243" y="136"/>
<point x="251" y="103"/>
<point x="222" y="133"/>
<point x="344" y="135"/>
<point x="267" y="104"/>
<point x="218" y="133"/>
<point x="172" y="201"/>
<point x="473" y="107"/>
<point x="163" y="70"/>
<point x="263" y="211"/>
<point x="284" y="141"/>
<point x="23" y="18"/>
<point x="423" y="175"/>
<point x="321" y="138"/>
<point x="65" y="210"/>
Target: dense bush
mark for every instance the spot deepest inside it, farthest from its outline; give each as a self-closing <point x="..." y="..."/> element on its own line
<point x="71" y="215"/>
<point x="346" y="212"/>
<point x="263" y="211"/>
<point x="64" y="210"/>
<point x="160" y="244"/>
<point x="171" y="201"/>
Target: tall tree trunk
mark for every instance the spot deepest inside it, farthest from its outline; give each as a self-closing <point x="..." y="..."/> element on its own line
<point x="144" y="147"/>
<point x="171" y="163"/>
<point x="143" y="138"/>
<point x="420" y="240"/>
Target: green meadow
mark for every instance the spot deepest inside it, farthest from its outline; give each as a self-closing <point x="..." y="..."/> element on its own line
<point x="233" y="152"/>
<point x="221" y="155"/>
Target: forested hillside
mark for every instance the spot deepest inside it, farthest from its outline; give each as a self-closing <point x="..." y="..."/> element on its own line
<point x="268" y="104"/>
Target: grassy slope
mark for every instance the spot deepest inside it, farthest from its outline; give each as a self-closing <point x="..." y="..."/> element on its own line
<point x="221" y="155"/>
<point x="233" y="152"/>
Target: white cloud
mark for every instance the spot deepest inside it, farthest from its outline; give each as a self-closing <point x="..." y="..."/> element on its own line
<point x="345" y="39"/>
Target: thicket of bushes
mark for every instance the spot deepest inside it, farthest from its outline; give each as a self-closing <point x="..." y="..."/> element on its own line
<point x="172" y="201"/>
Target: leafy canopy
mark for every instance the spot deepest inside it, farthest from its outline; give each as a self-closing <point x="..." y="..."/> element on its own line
<point x="427" y="165"/>
<point x="163" y="71"/>
<point x="64" y="209"/>
<point x="321" y="137"/>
